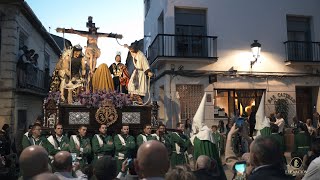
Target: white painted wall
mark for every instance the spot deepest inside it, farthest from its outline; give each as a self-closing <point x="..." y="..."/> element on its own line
<point x="237" y="24"/>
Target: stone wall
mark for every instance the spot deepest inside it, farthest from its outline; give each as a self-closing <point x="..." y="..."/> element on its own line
<point x="9" y="49"/>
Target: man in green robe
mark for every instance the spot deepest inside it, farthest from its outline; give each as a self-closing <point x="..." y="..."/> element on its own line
<point x="34" y="137"/>
<point x="301" y="142"/>
<point x="161" y="136"/>
<point x="218" y="138"/>
<point x="145" y="136"/>
<point x="266" y="131"/>
<point x="57" y="142"/>
<point x="80" y="145"/>
<point x="102" y="144"/>
<point x="274" y="129"/>
<point x="203" y="143"/>
<point x="125" y="146"/>
<point x="179" y="145"/>
<point x="276" y="136"/>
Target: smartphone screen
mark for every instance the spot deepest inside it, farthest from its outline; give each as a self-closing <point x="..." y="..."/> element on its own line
<point x="240" y="167"/>
<point x="239" y="122"/>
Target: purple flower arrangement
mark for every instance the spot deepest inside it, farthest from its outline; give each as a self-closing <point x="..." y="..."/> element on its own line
<point x="96" y="99"/>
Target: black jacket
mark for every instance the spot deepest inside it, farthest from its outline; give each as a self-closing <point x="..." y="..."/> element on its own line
<point x="269" y="172"/>
<point x="204" y="174"/>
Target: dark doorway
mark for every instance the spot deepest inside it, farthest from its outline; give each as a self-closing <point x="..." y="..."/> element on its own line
<point x="304" y="103"/>
<point x="22" y="119"/>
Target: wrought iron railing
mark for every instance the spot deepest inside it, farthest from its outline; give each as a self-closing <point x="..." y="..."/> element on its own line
<point x="30" y="77"/>
<point x="302" y="51"/>
<point x="186" y="46"/>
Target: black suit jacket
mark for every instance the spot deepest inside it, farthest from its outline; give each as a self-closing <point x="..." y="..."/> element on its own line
<point x="205" y="175"/>
<point x="269" y="172"/>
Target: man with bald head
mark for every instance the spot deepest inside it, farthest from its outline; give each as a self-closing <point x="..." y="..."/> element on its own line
<point x="33" y="161"/>
<point x="152" y="160"/>
<point x="206" y="168"/>
<point x="63" y="165"/>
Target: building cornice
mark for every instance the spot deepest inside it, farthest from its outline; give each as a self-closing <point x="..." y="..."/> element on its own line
<point x="201" y="73"/>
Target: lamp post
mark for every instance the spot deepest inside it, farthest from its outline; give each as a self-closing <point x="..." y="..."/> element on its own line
<point x="255" y="48"/>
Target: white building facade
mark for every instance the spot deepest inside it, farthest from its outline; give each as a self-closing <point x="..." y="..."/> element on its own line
<point x="197" y="46"/>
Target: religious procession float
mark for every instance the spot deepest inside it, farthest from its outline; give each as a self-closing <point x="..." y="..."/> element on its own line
<point x="81" y="94"/>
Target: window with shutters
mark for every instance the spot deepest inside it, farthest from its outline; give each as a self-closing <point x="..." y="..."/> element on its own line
<point x="299" y="45"/>
<point x="190" y="97"/>
<point x="191" y="27"/>
<point x="22" y="39"/>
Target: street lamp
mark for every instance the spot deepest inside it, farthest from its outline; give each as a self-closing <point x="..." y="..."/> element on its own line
<point x="255" y="48"/>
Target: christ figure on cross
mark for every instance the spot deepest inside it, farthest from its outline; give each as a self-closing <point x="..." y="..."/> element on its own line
<point x="92" y="52"/>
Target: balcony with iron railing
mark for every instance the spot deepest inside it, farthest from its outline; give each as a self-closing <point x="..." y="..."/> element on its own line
<point x="183" y="46"/>
<point x="31" y="79"/>
<point x="302" y="52"/>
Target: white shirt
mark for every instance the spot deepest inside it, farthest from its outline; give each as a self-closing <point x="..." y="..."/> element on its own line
<point x="59" y="138"/>
<point x="313" y="171"/>
<point x="280" y="124"/>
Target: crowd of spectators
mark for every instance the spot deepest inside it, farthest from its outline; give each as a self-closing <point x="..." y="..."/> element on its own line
<point x="27" y="66"/>
<point x="264" y="156"/>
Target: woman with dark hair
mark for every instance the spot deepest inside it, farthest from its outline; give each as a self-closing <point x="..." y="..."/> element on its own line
<point x="221" y="127"/>
<point x="187" y="127"/>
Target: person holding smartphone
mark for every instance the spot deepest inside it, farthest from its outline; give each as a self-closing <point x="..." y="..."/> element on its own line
<point x="231" y="157"/>
<point x="125" y="146"/>
<point x="132" y="175"/>
<point x="161" y="136"/>
<point x="240" y="170"/>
